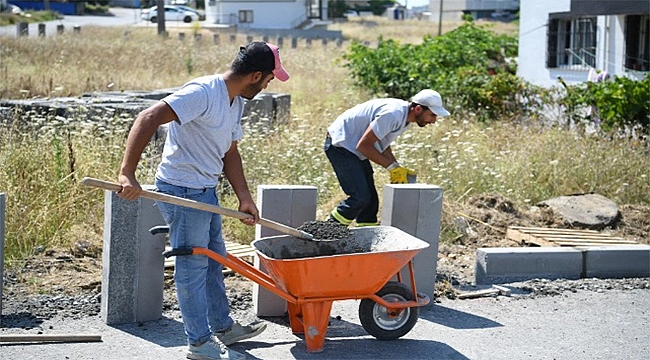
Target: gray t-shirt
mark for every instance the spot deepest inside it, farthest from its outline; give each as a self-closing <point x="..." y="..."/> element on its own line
<point x="197" y="141"/>
<point x="386" y="118"/>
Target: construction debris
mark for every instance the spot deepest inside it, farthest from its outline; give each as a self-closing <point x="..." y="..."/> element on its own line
<point x="494" y="290"/>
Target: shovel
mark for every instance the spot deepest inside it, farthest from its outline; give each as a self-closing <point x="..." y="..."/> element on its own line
<point x="200" y="206"/>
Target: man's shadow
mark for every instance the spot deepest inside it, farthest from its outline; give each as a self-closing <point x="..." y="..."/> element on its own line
<point x="165" y="332"/>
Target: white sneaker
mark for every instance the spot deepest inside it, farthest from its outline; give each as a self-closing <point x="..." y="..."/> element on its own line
<point x="213" y="349"/>
<point x="238" y="332"/>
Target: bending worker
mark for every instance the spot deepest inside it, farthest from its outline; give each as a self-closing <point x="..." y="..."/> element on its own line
<point x="363" y="134"/>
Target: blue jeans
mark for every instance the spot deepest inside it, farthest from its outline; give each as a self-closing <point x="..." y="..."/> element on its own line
<point x="356" y="179"/>
<point x="199" y="282"/>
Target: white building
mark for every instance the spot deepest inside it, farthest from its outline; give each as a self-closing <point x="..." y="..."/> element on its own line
<point x="453" y="10"/>
<point x="567" y="38"/>
<point x="266" y="14"/>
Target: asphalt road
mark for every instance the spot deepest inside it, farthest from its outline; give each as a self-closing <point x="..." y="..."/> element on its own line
<point x="611" y="324"/>
<point x="117" y="17"/>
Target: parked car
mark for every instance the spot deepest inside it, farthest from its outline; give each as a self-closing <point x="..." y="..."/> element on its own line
<point x="172" y="13"/>
<point x="12" y="9"/>
<point x="200" y="13"/>
<point x="350" y="13"/>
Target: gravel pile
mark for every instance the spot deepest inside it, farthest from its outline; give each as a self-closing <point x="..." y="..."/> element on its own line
<point x="325" y="230"/>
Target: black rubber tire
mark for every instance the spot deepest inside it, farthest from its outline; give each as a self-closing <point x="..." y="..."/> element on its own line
<point x="187" y="19"/>
<point x="154" y="19"/>
<point x="375" y="319"/>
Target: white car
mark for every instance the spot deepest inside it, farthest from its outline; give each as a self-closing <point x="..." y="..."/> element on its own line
<point x="172" y="13"/>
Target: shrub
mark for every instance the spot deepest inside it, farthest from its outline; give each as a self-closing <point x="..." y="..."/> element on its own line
<point x="467" y="66"/>
<point x="613" y="105"/>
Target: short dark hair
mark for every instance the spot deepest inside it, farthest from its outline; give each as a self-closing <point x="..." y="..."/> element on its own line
<point x="255" y="56"/>
<point x="414" y="104"/>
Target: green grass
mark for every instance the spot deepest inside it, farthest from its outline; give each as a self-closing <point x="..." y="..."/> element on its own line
<point x="44" y="157"/>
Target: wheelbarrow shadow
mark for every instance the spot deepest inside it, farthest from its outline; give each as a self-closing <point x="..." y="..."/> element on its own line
<point x="347" y="339"/>
<point x="366" y="347"/>
<point x="455" y="319"/>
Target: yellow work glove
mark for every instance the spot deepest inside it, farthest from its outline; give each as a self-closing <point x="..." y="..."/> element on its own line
<point x="399" y="174"/>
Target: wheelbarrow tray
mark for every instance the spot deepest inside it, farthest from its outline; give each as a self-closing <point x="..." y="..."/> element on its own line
<point x="353" y="267"/>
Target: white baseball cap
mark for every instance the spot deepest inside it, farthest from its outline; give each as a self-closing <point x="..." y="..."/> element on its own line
<point x="432" y="100"/>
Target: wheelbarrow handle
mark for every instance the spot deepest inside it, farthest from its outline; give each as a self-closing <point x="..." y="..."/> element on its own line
<point x="111" y="186"/>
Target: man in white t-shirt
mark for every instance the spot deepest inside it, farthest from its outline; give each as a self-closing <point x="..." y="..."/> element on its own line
<point x="204" y="118"/>
<point x="363" y="134"/>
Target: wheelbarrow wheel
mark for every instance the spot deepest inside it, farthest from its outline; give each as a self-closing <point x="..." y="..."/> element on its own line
<point x="377" y="320"/>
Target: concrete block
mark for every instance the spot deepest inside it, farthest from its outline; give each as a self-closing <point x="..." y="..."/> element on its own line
<point x="504" y="265"/>
<point x="292" y="205"/>
<point x="259" y="111"/>
<point x="417" y="209"/>
<point x="281" y="108"/>
<point x="616" y="261"/>
<point x="3" y="203"/>
<point x="133" y="265"/>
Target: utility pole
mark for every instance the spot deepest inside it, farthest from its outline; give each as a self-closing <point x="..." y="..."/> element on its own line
<point x="160" y="15"/>
<point x="440" y="19"/>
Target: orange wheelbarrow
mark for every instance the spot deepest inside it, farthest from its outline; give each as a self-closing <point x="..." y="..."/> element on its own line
<point x="310" y="275"/>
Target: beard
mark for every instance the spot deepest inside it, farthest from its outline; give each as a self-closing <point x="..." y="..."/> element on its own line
<point x="250" y="91"/>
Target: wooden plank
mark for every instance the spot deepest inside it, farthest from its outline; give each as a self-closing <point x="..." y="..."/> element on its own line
<point x="522" y="228"/>
<point x="525" y="238"/>
<point x="244" y="252"/>
<point x="20" y="338"/>
<point x="563" y="237"/>
<point x="591" y="239"/>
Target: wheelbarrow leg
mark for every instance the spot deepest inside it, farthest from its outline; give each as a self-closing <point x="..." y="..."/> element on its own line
<point x="295" y="318"/>
<point x="311" y="319"/>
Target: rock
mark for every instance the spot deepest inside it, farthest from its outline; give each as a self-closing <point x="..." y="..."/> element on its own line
<point x="592" y="211"/>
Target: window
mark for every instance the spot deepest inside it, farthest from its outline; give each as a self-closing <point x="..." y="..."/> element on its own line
<point x="572" y="43"/>
<point x="245" y="16"/>
<point x="637" y="42"/>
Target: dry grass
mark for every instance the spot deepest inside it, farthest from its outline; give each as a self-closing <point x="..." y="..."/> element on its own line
<point x="408" y="31"/>
<point x="42" y="166"/>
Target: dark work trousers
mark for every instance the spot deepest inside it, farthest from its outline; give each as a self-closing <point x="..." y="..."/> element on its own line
<point x="356" y="179"/>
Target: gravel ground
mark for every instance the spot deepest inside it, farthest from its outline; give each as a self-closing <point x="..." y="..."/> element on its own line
<point x="58" y="291"/>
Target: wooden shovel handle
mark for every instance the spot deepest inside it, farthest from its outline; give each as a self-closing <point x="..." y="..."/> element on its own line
<point x="111" y="186"/>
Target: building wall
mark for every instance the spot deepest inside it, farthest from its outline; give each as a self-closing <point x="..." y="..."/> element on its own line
<point x="533" y="28"/>
<point x="277" y="14"/>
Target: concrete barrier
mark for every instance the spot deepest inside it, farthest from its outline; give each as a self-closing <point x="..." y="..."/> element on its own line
<point x="504" y="265"/>
<point x="622" y="261"/>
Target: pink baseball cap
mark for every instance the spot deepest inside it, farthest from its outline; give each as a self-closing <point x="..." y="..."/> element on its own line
<point x="263" y="56"/>
<point x="279" y="71"/>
